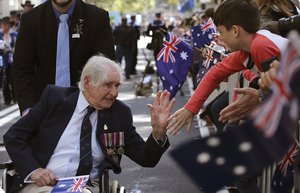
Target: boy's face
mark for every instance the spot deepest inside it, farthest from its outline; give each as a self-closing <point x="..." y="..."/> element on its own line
<point x="229" y="37"/>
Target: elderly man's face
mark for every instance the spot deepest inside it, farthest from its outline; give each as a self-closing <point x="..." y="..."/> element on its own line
<point x="105" y="94"/>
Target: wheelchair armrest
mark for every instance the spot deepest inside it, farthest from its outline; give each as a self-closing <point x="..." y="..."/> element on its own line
<point x="7" y="165"/>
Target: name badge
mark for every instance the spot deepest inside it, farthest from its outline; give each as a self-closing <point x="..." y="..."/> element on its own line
<point x="75" y="35"/>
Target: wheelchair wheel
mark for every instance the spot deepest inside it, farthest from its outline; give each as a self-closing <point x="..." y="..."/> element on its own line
<point x="122" y="189"/>
<point x="114" y="187"/>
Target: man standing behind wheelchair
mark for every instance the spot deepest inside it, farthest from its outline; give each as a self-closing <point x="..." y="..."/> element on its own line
<point x="48" y="142"/>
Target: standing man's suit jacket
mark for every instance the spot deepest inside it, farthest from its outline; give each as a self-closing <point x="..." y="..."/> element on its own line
<point x="47" y="120"/>
<point x="35" y="53"/>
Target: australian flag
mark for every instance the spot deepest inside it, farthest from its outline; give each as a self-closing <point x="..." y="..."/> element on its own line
<point x="202" y="34"/>
<point x="72" y="184"/>
<point x="186" y="38"/>
<point x="212" y="57"/>
<point x="173" y="62"/>
<point x="264" y="138"/>
<point x="283" y="177"/>
<point x="186" y="5"/>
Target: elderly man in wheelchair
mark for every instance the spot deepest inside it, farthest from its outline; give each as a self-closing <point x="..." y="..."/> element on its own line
<point x="85" y="131"/>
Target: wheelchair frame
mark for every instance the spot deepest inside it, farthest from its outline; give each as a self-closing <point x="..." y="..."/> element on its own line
<point x="9" y="170"/>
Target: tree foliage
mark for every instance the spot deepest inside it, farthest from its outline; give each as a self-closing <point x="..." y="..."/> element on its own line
<point x="125" y="6"/>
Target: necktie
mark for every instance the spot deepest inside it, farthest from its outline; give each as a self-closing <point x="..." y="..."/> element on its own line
<point x="85" y="163"/>
<point x="62" y="77"/>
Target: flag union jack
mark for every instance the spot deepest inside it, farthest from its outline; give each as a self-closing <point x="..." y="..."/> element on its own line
<point x="288" y="159"/>
<point x="268" y="117"/>
<point x="209" y="24"/>
<point x="209" y="57"/>
<point x="78" y="184"/>
<point x="169" y="46"/>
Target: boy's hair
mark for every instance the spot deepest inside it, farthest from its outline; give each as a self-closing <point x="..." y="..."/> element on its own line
<point x="244" y="13"/>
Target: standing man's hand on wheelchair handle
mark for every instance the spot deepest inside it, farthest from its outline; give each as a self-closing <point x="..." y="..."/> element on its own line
<point x="43" y="177"/>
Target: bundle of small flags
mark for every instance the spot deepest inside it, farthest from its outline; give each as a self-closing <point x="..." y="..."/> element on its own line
<point x="212" y="57"/>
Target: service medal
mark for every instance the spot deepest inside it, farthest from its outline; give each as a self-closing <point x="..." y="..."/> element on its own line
<point x="120" y="150"/>
<point x="110" y="152"/>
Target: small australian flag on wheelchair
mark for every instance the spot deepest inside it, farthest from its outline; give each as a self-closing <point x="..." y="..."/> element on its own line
<point x="71" y="184"/>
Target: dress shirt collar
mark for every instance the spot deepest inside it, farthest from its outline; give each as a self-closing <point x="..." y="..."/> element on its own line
<point x="69" y="12"/>
<point x="82" y="103"/>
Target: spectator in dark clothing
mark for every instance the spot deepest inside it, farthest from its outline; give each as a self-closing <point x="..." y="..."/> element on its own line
<point x="124" y="36"/>
<point x="9" y="40"/>
<point x="156" y="30"/>
<point x="136" y="37"/>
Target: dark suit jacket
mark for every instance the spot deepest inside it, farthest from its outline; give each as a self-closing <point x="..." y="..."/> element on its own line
<point x="47" y="120"/>
<point x="35" y="52"/>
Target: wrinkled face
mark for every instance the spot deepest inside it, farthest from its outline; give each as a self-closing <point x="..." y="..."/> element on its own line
<point x="104" y="95"/>
<point x="229" y="37"/>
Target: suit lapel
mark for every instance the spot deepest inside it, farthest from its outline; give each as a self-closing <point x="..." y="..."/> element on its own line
<point x="48" y="32"/>
<point x="78" y="24"/>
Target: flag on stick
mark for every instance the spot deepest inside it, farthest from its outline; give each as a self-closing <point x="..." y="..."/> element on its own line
<point x="71" y="184"/>
<point x="202" y="34"/>
<point x="173" y="62"/>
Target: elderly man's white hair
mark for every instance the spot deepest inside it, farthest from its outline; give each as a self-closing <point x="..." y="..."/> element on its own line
<point x="96" y="68"/>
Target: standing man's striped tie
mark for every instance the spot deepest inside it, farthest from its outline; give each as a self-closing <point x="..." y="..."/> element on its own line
<point x="62" y="77"/>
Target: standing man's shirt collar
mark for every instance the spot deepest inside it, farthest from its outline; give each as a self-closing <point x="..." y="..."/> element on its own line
<point x="69" y="12"/>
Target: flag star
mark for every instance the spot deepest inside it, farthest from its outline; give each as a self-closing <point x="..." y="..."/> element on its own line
<point x="215" y="60"/>
<point x="171" y="87"/>
<point x="213" y="142"/>
<point x="245" y="146"/>
<point x="210" y="37"/>
<point x="184" y="55"/>
<point x="239" y="170"/>
<point x="198" y="35"/>
<point x="171" y="71"/>
<point x="203" y="157"/>
<point x="163" y="78"/>
<point x="62" y="185"/>
<point x="220" y="161"/>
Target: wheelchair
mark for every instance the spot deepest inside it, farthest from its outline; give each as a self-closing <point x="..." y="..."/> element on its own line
<point x="106" y="187"/>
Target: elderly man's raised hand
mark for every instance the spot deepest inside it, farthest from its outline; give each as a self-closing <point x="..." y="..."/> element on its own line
<point x="160" y="112"/>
